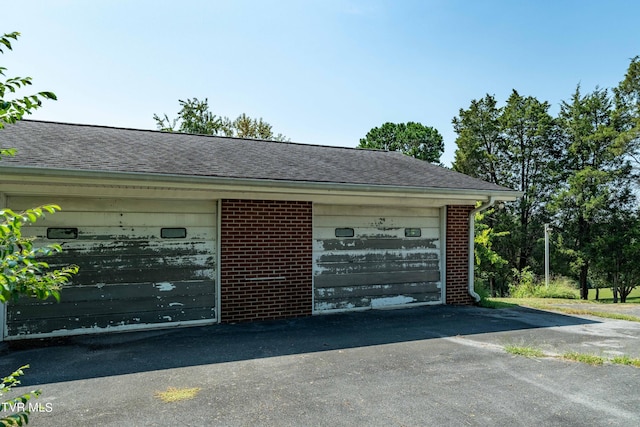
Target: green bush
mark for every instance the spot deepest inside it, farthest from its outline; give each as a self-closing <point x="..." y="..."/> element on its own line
<point x="528" y="286"/>
<point x="556" y="290"/>
<point x="18" y="406"/>
<point x="481" y="288"/>
<point x="524" y="285"/>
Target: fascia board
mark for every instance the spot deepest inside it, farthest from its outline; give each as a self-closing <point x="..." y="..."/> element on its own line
<point x="68" y="176"/>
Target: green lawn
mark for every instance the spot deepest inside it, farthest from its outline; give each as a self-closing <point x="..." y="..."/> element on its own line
<point x="606" y="295"/>
<point x="569" y="306"/>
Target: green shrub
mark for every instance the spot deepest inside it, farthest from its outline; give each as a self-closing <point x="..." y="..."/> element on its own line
<point x="555" y="290"/>
<point x="524" y="285"/>
<point x="18" y="406"/>
<point x="481" y="288"/>
<point x="527" y="286"/>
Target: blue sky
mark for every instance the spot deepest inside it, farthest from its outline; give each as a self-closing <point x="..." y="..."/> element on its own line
<point x="321" y="72"/>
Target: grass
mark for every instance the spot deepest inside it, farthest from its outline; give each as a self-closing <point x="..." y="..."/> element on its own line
<point x="606" y="295"/>
<point x="172" y="394"/>
<point x="553" y="304"/>
<point x="496" y="303"/>
<point x="524" y="351"/>
<point x="589" y="359"/>
<point x="626" y="360"/>
<point x="596" y="313"/>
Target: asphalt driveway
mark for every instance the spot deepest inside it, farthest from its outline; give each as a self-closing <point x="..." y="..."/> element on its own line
<point x="436" y="365"/>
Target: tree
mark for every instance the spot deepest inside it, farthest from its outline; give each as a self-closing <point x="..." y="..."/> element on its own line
<point x="594" y="176"/>
<point x="617" y="248"/>
<point x="12" y="110"/>
<point x="246" y="127"/>
<point x="489" y="263"/>
<point x="627" y="101"/>
<point x="413" y="139"/>
<point x="528" y="138"/>
<point x="22" y="272"/>
<point x="479" y="141"/>
<point x="194" y="117"/>
<point x="513" y="146"/>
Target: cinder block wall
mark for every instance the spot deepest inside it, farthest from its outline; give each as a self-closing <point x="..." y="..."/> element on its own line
<point x="266" y="259"/>
<point x="458" y="255"/>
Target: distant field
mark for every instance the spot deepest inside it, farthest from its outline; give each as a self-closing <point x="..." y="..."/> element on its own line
<point x="607" y="295"/>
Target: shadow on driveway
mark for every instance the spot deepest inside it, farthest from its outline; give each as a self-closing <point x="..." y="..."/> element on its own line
<point x="82" y="357"/>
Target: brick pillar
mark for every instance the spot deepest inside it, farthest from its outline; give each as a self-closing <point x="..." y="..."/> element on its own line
<point x="458" y="255"/>
<point x="266" y="259"/>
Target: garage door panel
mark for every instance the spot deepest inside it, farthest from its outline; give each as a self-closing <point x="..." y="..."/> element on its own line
<point x="330" y="257"/>
<point x="121" y="233"/>
<point x="126" y="275"/>
<point x="327" y="233"/>
<point x="78" y="249"/>
<point x="357" y="279"/>
<point x="124" y="291"/>
<point x="372" y="244"/>
<point x="100" y="306"/>
<point x="70" y="325"/>
<point x="150" y="262"/>
<point x="377" y="223"/>
<point x="414" y="289"/>
<point x="86" y="219"/>
<point x="339" y="304"/>
<point x="385" y="266"/>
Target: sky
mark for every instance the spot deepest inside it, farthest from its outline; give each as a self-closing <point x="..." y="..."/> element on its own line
<point x="319" y="71"/>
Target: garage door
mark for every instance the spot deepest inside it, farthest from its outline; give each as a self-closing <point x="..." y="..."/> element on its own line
<point x="368" y="257"/>
<point x="143" y="263"/>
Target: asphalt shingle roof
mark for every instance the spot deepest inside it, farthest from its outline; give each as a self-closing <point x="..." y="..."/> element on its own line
<point x="98" y="148"/>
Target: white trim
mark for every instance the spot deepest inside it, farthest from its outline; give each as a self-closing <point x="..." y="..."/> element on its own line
<point x="112" y="329"/>
<point x="3" y="307"/>
<point x="443" y="253"/>
<point x="218" y="259"/>
<point x="155" y="179"/>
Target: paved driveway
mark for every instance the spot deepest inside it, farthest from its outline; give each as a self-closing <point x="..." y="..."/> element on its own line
<point x="426" y="366"/>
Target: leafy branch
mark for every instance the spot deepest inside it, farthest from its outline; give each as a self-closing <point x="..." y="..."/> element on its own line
<point x="12" y="110"/>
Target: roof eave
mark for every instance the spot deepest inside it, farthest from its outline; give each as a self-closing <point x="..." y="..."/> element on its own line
<point x="6" y="170"/>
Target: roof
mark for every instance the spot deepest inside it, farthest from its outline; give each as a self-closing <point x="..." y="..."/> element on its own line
<point x="65" y="146"/>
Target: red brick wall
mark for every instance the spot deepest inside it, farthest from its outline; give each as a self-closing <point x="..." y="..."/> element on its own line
<point x="458" y="255"/>
<point x="265" y="239"/>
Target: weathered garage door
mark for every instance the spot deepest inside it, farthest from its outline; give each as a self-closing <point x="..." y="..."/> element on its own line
<point x="143" y="263"/>
<point x="367" y="257"/>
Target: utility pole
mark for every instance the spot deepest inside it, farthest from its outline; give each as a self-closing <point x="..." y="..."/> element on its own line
<point x="547" y="230"/>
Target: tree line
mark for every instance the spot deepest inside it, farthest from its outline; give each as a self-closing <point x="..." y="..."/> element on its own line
<point x="577" y="171"/>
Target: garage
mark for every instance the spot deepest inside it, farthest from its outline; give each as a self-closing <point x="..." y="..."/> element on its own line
<point x="144" y="263"/>
<point x="376" y="256"/>
<point x="196" y="229"/>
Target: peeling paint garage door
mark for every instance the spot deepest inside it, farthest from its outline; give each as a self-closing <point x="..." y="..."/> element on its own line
<point x="368" y="257"/>
<point x="143" y="263"/>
